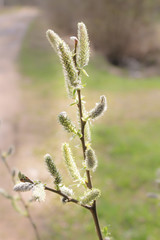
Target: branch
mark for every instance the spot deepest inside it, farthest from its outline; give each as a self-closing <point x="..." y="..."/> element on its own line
<point x="21" y="199"/>
<point x="93" y="209"/>
<point x="66" y="197"/>
<point x="26" y="179"/>
<point x="83" y="123"/>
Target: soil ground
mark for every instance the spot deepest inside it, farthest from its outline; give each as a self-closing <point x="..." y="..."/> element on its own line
<point x="13" y="131"/>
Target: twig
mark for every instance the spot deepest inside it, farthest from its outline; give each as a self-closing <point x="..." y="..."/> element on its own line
<point x="22" y="201"/>
<point x="67" y="198"/>
<point x="93" y="208"/>
<point x="83" y="123"/>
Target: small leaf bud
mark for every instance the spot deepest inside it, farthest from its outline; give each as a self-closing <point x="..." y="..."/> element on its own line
<point x="23" y="178"/>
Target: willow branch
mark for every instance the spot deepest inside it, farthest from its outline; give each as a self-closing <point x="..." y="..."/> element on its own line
<point x="93" y="208"/>
<point x="83" y="123"/>
<point x="22" y="201"/>
<point x="89" y="182"/>
<point x="66" y="197"/>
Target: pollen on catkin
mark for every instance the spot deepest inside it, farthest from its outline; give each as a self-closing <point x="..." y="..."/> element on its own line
<point x="67" y="191"/>
<point x="99" y="109"/>
<point x="90" y="196"/>
<point x="70" y="163"/>
<point x="83" y="50"/>
<point x="54" y="39"/>
<point x="23" y="187"/>
<point x="87" y="132"/>
<point x="70" y="71"/>
<point x="67" y="124"/>
<point x="38" y="193"/>
<point x="91" y="159"/>
<point x="53" y="169"/>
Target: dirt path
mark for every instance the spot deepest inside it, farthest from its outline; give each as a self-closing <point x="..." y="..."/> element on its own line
<point x="13" y="25"/>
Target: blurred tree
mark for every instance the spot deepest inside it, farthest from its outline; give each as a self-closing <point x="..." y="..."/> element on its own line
<point x="121" y="29"/>
<point x="19" y="2"/>
<point x="1" y="3"/>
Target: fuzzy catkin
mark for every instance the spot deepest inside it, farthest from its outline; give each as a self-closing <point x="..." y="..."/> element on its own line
<point x="90" y="196"/>
<point x="23" y="187"/>
<point x="70" y="71"/>
<point x="38" y="193"/>
<point x="99" y="109"/>
<point x="83" y="50"/>
<point x="87" y="132"/>
<point x="67" y="124"/>
<point x="91" y="160"/>
<point x="60" y="47"/>
<point x="66" y="191"/>
<point x="54" y="39"/>
<point x="70" y="163"/>
<point x="53" y="169"/>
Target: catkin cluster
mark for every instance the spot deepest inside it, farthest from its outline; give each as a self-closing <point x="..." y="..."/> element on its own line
<point x="38" y="190"/>
<point x="73" y="63"/>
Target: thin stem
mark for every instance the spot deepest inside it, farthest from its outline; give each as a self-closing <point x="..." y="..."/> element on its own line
<point x="93" y="209"/>
<point x="32" y="223"/>
<point x="67" y="198"/>
<point x="89" y="182"/>
<point x="61" y="194"/>
<point x="8" y="167"/>
<point x="23" y="202"/>
<point x="83" y="123"/>
<point x="96" y="221"/>
<point x="75" y="52"/>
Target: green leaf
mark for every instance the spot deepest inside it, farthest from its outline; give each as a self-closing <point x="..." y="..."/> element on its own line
<point x="74" y="103"/>
<point x="79" y="133"/>
<point x="85" y="73"/>
<point x="74" y="91"/>
<point x="105" y="231"/>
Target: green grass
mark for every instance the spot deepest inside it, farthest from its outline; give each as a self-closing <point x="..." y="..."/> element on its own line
<point x="105" y="80"/>
<point x="127" y="148"/>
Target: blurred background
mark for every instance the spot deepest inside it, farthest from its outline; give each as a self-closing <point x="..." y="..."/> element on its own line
<point x="124" y="66"/>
